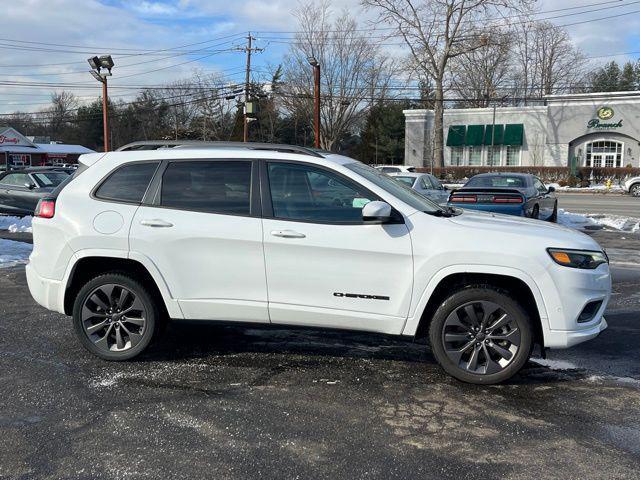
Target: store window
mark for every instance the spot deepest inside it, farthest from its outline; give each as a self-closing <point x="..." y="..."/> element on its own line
<point x="604" y="153"/>
<point x="512" y="156"/>
<point x="493" y="156"/>
<point x="475" y="156"/>
<point x="457" y="156"/>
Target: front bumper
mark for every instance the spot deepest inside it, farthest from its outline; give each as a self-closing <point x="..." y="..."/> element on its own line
<point x="43" y="290"/>
<point x="566" y="339"/>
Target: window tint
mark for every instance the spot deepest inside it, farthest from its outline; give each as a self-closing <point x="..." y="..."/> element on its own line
<point x="436" y="183"/>
<point x="303" y="192"/>
<point x="211" y="186"/>
<point x="16" y="179"/>
<point x="539" y="185"/>
<point x="425" y="182"/>
<point x="128" y="183"/>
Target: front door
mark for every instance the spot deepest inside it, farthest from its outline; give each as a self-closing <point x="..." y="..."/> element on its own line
<point x="204" y="233"/>
<point x="325" y="266"/>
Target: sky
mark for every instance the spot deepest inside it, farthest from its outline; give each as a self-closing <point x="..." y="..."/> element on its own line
<point x="48" y="41"/>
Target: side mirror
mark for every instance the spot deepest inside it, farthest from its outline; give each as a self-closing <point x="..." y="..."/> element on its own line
<point x="30" y="185"/>
<point x="552" y="189"/>
<point x="377" y="211"/>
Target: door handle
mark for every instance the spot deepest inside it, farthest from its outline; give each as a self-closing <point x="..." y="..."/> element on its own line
<point x="287" y="234"/>
<point x="156" y="223"/>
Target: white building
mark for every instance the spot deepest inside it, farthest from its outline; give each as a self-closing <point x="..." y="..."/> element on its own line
<point x="592" y="129"/>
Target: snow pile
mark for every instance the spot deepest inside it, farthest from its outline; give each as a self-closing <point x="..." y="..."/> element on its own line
<point x="13" y="253"/>
<point x="15" y="224"/>
<point x="594" y="221"/>
<point x="597" y="188"/>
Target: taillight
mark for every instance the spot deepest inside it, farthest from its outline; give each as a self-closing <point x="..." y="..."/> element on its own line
<point x="507" y="199"/>
<point x="45" y="209"/>
<point x="464" y="198"/>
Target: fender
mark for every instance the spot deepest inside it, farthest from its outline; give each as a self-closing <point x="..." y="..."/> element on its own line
<point x="172" y="305"/>
<point x="411" y="325"/>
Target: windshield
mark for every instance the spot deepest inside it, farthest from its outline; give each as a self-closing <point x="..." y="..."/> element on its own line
<point x="51" y="179"/>
<point x="496" y="182"/>
<point x="398" y="189"/>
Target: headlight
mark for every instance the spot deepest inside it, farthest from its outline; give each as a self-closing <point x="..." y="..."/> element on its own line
<point x="578" y="258"/>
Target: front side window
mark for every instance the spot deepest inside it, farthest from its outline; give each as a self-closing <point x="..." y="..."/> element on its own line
<point x="128" y="183"/>
<point x="398" y="190"/>
<point x="307" y="193"/>
<point x="407" y="180"/>
<point x="212" y="186"/>
<point x="537" y="183"/>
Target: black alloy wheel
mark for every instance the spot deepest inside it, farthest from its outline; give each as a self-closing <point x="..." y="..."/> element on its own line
<point x="115" y="317"/>
<point x="481" y="335"/>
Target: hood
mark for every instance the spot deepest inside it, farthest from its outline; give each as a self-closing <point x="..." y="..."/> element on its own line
<point x="553" y="234"/>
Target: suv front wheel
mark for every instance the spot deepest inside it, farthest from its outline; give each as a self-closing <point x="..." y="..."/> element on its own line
<point x="481" y="335"/>
<point x="115" y="316"/>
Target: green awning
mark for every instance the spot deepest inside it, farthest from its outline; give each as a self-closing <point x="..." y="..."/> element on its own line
<point x="455" y="137"/>
<point x="513" y="134"/>
<point x="475" y="135"/>
<point x="498" y="133"/>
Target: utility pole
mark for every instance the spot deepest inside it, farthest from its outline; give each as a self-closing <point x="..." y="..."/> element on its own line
<point x="249" y="49"/>
<point x="316" y="100"/>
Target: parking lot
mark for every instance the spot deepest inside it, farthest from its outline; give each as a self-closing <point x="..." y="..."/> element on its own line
<point x="233" y="402"/>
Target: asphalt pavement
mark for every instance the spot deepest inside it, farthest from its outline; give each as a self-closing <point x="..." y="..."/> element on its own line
<point x="607" y="204"/>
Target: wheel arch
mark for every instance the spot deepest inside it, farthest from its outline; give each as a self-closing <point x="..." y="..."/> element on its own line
<point x="88" y="266"/>
<point x="519" y="287"/>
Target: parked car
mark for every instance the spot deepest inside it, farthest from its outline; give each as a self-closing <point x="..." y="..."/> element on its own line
<point x="425" y="184"/>
<point x="395" y="168"/>
<point x="632" y="186"/>
<point x="20" y="190"/>
<point x="518" y="194"/>
<point x="198" y="233"/>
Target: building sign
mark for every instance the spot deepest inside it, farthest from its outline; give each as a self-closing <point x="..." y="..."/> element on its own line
<point x="600" y="123"/>
<point x="7" y="140"/>
<point x="19" y="159"/>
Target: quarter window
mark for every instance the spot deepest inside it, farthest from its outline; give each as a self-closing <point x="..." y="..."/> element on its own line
<point x="306" y="193"/>
<point x="128" y="183"/>
<point x="208" y="186"/>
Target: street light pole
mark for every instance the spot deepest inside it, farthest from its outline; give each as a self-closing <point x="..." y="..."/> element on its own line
<point x="105" y="115"/>
<point x="97" y="64"/>
<point x="316" y="100"/>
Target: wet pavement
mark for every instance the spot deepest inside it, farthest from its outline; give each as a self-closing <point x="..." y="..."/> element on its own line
<point x="212" y="401"/>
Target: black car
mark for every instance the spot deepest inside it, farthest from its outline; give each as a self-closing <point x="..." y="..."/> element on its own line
<point x="20" y="190"/>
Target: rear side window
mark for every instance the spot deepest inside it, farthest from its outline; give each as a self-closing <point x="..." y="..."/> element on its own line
<point x="208" y="186"/>
<point x="128" y="183"/>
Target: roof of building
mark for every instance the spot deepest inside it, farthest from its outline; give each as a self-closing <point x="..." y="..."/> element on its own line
<point x="63" y="148"/>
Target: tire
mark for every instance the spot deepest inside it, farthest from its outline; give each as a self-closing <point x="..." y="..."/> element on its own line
<point x="500" y="350"/>
<point x="554" y="216"/>
<point x="535" y="214"/>
<point x="634" y="191"/>
<point x="131" y="317"/>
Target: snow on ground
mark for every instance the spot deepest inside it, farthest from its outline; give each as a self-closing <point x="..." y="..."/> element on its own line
<point x="597" y="188"/>
<point x="596" y="220"/>
<point x="13" y="253"/>
<point x="15" y="224"/>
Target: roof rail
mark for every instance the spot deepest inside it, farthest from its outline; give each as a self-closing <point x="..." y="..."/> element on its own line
<point x="159" y="144"/>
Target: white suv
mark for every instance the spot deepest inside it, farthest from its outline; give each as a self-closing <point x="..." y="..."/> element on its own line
<point x="289" y="236"/>
<point x="632" y="186"/>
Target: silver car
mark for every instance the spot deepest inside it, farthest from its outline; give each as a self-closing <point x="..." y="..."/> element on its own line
<point x="424" y="183"/>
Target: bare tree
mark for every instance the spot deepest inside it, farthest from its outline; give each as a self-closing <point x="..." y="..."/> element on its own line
<point x="437" y="31"/>
<point x="63" y="108"/>
<point x="353" y="71"/>
<point x="547" y="61"/>
<point x="483" y="75"/>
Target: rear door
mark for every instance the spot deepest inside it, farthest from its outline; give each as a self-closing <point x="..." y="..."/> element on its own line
<point x="204" y="233"/>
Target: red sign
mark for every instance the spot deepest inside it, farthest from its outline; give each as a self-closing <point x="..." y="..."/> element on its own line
<point x="4" y="139"/>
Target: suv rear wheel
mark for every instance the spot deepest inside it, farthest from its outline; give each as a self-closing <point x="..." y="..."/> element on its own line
<point x="635" y="190"/>
<point x="115" y="317"/>
<point x="481" y="335"/>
